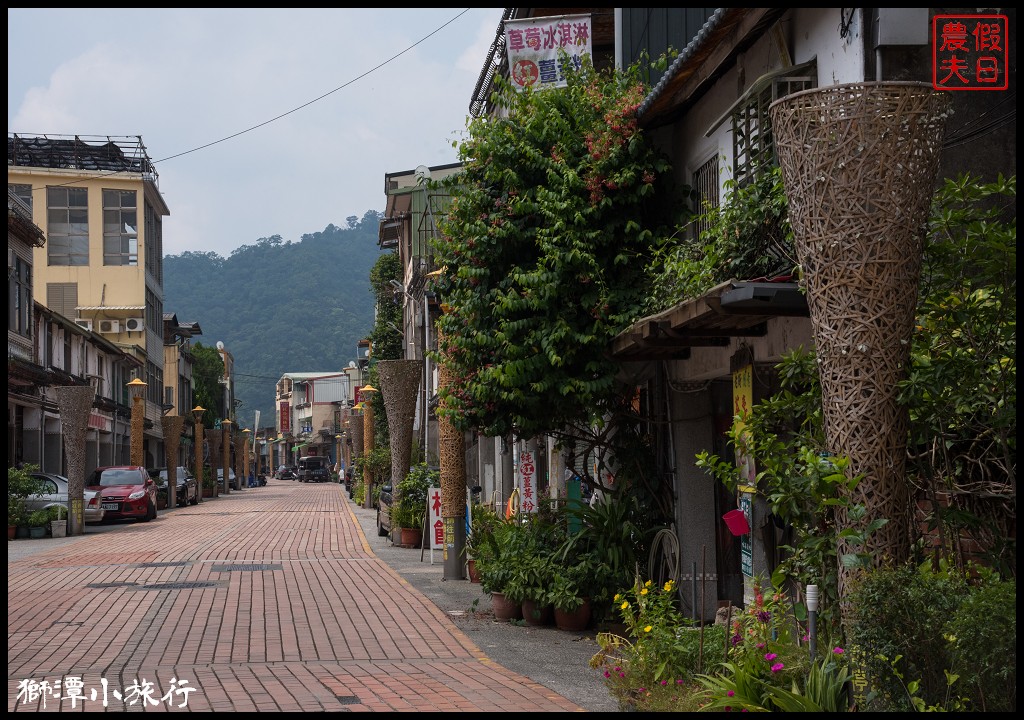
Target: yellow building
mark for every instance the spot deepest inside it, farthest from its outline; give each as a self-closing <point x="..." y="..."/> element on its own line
<point x="97" y="198"/>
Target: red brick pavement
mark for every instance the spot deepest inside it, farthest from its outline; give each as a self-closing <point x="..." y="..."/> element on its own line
<point x="326" y="626"/>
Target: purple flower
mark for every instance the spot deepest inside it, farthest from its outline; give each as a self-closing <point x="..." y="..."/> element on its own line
<point x="777" y="666"/>
<point x="737" y="639"/>
<point x="731" y="693"/>
<point x="679" y="681"/>
<point x="838" y="650"/>
<point x="607" y="674"/>
<point x="770" y="656"/>
<point x="664" y="682"/>
<point x="728" y="709"/>
<point x="760" y="646"/>
<point x="764" y="616"/>
<point x="622" y="674"/>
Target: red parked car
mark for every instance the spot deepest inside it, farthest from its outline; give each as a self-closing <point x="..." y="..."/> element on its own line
<point x="126" y="492"/>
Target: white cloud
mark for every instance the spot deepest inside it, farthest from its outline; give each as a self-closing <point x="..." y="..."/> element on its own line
<point x="183" y="78"/>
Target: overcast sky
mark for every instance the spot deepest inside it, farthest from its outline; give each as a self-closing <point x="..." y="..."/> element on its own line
<point x="183" y="78"/>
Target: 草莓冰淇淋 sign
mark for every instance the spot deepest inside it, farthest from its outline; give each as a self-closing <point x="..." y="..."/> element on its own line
<point x="533" y="46"/>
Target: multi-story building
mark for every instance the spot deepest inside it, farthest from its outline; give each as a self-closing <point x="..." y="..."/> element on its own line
<point x="97" y="199"/>
<point x="178" y="388"/>
<point x="414" y="205"/>
<point x="310" y="410"/>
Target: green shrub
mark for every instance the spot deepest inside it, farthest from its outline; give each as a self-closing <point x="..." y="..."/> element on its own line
<point x="39" y="518"/>
<point x="902" y="612"/>
<point x="983" y="639"/>
<point x="20" y="484"/>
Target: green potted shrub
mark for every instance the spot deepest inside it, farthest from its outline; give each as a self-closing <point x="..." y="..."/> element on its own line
<point x="483" y="520"/>
<point x="410" y="503"/>
<point x="20" y="484"/>
<point x="38" y="522"/>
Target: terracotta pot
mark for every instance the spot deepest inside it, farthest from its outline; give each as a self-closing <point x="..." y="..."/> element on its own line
<point x="412" y="537"/>
<point x="474" y="574"/>
<point x="505" y="609"/>
<point x="535" y="614"/>
<point x="574" y="621"/>
<point x="12" y="530"/>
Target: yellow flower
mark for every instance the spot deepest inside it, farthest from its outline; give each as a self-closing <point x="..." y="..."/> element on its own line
<point x="644" y="591"/>
<point x="617" y="597"/>
<point x="668" y="586"/>
<point x="648" y="628"/>
<point x="647" y="584"/>
<point x="624" y="605"/>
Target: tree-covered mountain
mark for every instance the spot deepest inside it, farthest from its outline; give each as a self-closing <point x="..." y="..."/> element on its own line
<point x="280" y="306"/>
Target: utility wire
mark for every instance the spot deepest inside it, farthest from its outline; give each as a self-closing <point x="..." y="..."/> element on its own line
<point x="285" y="114"/>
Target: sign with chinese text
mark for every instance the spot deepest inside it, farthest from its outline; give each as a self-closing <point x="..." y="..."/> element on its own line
<point x="746" y="548"/>
<point x="526" y="482"/>
<point x="533" y="46"/>
<point x="970" y="52"/>
<point x="286" y="418"/>
<point x="742" y="403"/>
<point x="435" y="523"/>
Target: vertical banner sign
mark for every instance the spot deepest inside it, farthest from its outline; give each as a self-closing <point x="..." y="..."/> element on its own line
<point x="526" y="481"/>
<point x="435" y="524"/>
<point x="533" y="47"/>
<point x="742" y="402"/>
<point x="746" y="549"/>
<point x="286" y="418"/>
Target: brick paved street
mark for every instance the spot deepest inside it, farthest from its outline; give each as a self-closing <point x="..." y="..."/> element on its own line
<point x="268" y="600"/>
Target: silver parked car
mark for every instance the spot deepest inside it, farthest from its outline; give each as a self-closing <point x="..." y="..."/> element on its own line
<point x="55" y="492"/>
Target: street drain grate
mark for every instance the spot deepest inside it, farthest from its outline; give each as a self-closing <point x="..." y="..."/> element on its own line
<point x="161" y="564"/>
<point x="179" y="585"/>
<point x="347" y="699"/>
<point x="105" y="586"/>
<point x="246" y="568"/>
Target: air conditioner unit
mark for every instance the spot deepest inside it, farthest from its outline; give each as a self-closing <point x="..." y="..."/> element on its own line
<point x="110" y="326"/>
<point x="135" y="324"/>
<point x="84" y="322"/>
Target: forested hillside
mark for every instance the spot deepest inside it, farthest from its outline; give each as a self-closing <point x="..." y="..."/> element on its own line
<point x="279" y="306"/>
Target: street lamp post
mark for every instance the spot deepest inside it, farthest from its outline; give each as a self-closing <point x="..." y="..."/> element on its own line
<point x="197" y="413"/>
<point x="338" y="460"/>
<point x="245" y="456"/>
<point x="225" y="426"/>
<point x="137" y="390"/>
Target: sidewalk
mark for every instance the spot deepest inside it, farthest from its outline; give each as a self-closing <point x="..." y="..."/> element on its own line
<point x="279" y="598"/>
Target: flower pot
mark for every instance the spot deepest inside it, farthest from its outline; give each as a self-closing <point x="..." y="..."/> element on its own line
<point x="411" y="537"/>
<point x="59" y="528"/>
<point x="536" y="614"/>
<point x="22" y="532"/>
<point x="575" y="620"/>
<point x="12" y="531"/>
<point x="736" y="521"/>
<point x="37" y="532"/>
<point x="474" y="574"/>
<point x="504" y="609"/>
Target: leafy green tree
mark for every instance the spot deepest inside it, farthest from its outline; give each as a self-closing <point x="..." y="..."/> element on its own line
<point x="962" y="384"/>
<point x="206" y="374"/>
<point x="547" y="243"/>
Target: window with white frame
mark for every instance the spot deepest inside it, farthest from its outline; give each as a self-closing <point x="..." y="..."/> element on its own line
<point x="120" y="228"/>
<point x="67" y="226"/>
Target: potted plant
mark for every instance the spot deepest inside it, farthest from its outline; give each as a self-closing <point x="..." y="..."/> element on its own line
<point x="58" y="521"/>
<point x="208" y="484"/>
<point x="411" y="503"/>
<point x="20" y="484"/>
<point x="483" y="520"/>
<point x="38" y="522"/>
<point x="530" y="584"/>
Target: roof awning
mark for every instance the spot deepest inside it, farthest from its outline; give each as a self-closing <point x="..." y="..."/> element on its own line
<point x="110" y="307"/>
<point x="726" y="311"/>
